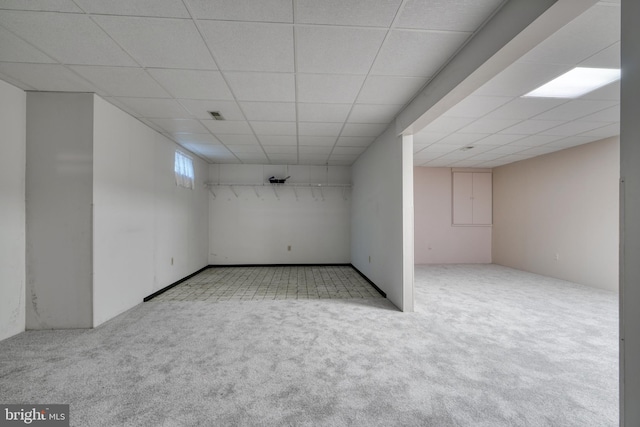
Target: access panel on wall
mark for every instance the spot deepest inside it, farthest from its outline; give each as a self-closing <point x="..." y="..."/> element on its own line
<point x="472" y="204"/>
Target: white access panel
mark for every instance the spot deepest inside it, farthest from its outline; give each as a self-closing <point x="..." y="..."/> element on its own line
<point x="482" y="201"/>
<point x="472" y="198"/>
<point x="462" y="198"/>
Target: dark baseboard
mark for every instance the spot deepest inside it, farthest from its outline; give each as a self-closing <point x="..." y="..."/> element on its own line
<point x="277" y="265"/>
<point x="166" y="288"/>
<point x="369" y="280"/>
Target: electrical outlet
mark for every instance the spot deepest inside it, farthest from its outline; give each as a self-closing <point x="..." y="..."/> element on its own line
<point x="289" y="248"/>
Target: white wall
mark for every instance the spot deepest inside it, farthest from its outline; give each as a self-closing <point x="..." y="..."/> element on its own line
<point x="141" y="218"/>
<point x="377" y="215"/>
<point x="436" y="240"/>
<point x="13" y="103"/>
<point x="59" y="178"/>
<point x="256" y="226"/>
<point x="563" y="203"/>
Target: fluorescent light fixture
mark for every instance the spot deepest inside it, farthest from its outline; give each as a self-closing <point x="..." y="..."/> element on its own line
<point x="576" y="83"/>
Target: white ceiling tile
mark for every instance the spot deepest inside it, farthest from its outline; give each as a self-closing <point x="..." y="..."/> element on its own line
<point x="354" y="141"/>
<point x="452" y="15"/>
<point x="41" y="5"/>
<point x="348" y="150"/>
<point x="390" y="89"/>
<point x="243" y="10"/>
<point x="46" y="77"/>
<point x="207" y="150"/>
<point x="281" y="149"/>
<point x="512" y="158"/>
<point x="122" y="81"/>
<point x="589" y="33"/>
<point x="315" y="149"/>
<point x="312" y="159"/>
<point x="573" y="128"/>
<point x="127" y="109"/>
<point x="336" y="50"/>
<point x="606" y="58"/>
<point x="373" y="113"/>
<point x="283" y="158"/>
<point x="317" y="140"/>
<point x="57" y="35"/>
<point x="538" y="151"/>
<point x="250" y="46"/>
<point x="328" y="88"/>
<point x="521" y="78"/>
<point x="467" y="163"/>
<point x="604" y="132"/>
<point x="323" y="112"/>
<point x="525" y="108"/>
<point x="14" y="49"/>
<point x="156" y="108"/>
<point x="157" y="8"/>
<point x="530" y="127"/>
<point x="360" y="129"/>
<point x="486" y="126"/>
<point x="373" y="13"/>
<point x="272" y="87"/>
<point x="416" y="53"/>
<point x="477" y="106"/>
<point x="252" y="158"/>
<point x="571" y="141"/>
<point x="159" y="42"/>
<point x="274" y="128"/>
<point x="200" y="108"/>
<point x="461" y="139"/>
<point x="534" y="141"/>
<point x="278" y="140"/>
<point x="196" y="138"/>
<point x="434" y="149"/>
<point x="245" y="148"/>
<point x="506" y="149"/>
<point x="221" y="127"/>
<point x="499" y="139"/>
<point x="238" y="139"/>
<point x="574" y="109"/>
<point x="193" y="84"/>
<point x="275" y="111"/>
<point x="447" y="125"/>
<point x="180" y="125"/>
<point x="319" y="129"/>
<point x="609" y="92"/>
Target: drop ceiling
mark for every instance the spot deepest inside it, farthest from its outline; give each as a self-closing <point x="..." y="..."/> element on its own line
<point x="503" y="127"/>
<point x="297" y="81"/>
<point x="307" y="81"/>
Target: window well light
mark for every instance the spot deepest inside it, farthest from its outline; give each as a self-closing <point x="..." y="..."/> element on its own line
<point x="576" y="83"/>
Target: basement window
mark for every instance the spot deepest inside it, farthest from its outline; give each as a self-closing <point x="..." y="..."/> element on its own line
<point x="183" y="168"/>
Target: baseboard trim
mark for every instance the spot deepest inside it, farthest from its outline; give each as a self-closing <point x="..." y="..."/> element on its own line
<point x="380" y="291"/>
<point x="278" y="265"/>
<point x="166" y="288"/>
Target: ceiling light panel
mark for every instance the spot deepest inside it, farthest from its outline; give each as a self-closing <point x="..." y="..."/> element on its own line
<point x="576" y="82"/>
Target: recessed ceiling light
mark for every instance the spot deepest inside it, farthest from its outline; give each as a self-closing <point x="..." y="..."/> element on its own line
<point x="576" y="83"/>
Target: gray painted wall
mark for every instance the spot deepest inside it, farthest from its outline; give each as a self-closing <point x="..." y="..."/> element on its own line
<point x="630" y="217"/>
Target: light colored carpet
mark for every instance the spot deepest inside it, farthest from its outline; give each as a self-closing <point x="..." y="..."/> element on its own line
<point x="488" y="346"/>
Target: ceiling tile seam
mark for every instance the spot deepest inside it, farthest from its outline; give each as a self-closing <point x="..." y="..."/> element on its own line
<point x="224" y="78"/>
<point x="364" y="81"/>
<point x="295" y="79"/>
<point x="575" y="119"/>
<point x="33" y="46"/>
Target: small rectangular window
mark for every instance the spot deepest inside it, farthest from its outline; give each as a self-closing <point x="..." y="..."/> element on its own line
<point x="183" y="168"/>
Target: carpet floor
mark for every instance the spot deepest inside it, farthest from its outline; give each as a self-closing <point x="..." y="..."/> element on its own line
<point x="487" y="346"/>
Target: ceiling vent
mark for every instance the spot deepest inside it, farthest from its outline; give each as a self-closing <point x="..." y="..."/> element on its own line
<point x="216" y="115"/>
